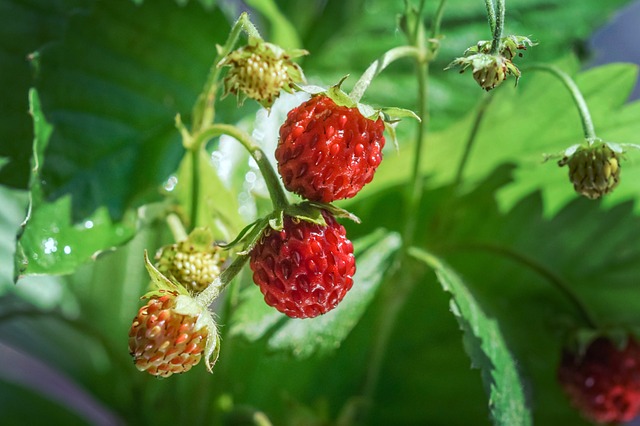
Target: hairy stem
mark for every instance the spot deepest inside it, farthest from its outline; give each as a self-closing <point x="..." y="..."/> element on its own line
<point x="576" y="94"/>
<point x="278" y="197"/>
<point x="499" y="26"/>
<point x="204" y="109"/>
<point x="378" y="66"/>
<point x="221" y="282"/>
<point x="491" y="15"/>
<point x="195" y="186"/>
<point x="555" y="280"/>
<point x="471" y="139"/>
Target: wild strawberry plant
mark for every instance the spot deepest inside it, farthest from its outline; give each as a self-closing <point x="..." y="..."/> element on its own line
<point x="266" y="207"/>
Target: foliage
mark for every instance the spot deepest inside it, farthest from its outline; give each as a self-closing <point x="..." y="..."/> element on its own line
<point x="91" y="174"/>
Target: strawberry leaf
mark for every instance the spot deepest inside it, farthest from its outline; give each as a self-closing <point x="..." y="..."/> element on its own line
<point x="49" y="243"/>
<point x="111" y="88"/>
<point x="486" y="345"/>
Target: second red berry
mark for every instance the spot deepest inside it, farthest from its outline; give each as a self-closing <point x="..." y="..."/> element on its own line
<point x="305" y="269"/>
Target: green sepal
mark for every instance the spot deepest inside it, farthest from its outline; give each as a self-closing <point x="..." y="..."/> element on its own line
<point x="254" y="235"/>
<point x="334" y="210"/>
<point x="159" y="282"/>
<point x="201" y="238"/>
<point x="391" y="130"/>
<point x="394" y="114"/>
<point x="339" y="96"/>
<point x="241" y="235"/>
<point x="276" y="220"/>
<point x="187" y="305"/>
<point x="307" y="212"/>
<point x="579" y="340"/>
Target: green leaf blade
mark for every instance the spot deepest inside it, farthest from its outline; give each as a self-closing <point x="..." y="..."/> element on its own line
<point x="486" y="346"/>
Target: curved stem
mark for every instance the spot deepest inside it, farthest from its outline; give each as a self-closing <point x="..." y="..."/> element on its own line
<point x="497" y="31"/>
<point x="203" y="110"/>
<point x="556" y="281"/>
<point x="491" y="15"/>
<point x="472" y="138"/>
<point x="378" y="66"/>
<point x="221" y="282"/>
<point x="272" y="181"/>
<point x="581" y="104"/>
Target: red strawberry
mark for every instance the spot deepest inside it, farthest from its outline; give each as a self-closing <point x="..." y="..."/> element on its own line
<point x="163" y="341"/>
<point x="604" y="383"/>
<point x="306" y="269"/>
<point x="328" y="152"/>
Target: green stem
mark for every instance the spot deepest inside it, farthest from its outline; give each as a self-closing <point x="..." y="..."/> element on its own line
<point x="272" y="181"/>
<point x="491" y="15"/>
<point x="581" y="104"/>
<point x="204" y="109"/>
<point x="556" y="281"/>
<point x="437" y="20"/>
<point x="497" y="32"/>
<point x="471" y="140"/>
<point x="195" y="186"/>
<point x="416" y="183"/>
<point x="176" y="227"/>
<point x="378" y="66"/>
<point x="221" y="282"/>
<point x="397" y="295"/>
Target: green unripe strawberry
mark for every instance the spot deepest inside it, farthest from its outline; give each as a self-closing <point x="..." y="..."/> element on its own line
<point x="260" y="70"/>
<point x="194" y="262"/>
<point x="594" y="171"/>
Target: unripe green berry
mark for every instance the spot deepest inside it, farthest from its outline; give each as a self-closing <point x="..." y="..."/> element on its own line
<point x="192" y="267"/>
<point x="594" y="171"/>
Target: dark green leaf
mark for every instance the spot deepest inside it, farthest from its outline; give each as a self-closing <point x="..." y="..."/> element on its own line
<point x="303" y="338"/>
<point x="111" y="88"/>
<point x="486" y="346"/>
<point x="25" y="25"/>
<point x="50" y="243"/>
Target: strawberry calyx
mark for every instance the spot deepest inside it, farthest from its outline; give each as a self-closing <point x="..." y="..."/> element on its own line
<point x="389" y="115"/>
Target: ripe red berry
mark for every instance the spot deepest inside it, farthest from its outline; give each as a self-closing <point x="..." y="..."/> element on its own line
<point x="162" y="341"/>
<point x="328" y="152"/>
<point x="604" y="383"/>
<point x="306" y="269"/>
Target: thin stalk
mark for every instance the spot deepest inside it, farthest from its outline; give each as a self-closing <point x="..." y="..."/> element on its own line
<point x="208" y="295"/>
<point x="176" y="227"/>
<point x="378" y="66"/>
<point x="497" y="31"/>
<point x="204" y="110"/>
<point x="437" y="20"/>
<point x="576" y="94"/>
<point x="555" y="280"/>
<point x="416" y="183"/>
<point x="278" y="197"/>
<point x="491" y="15"/>
<point x="195" y="186"/>
<point x="398" y="294"/>
<point x="471" y="139"/>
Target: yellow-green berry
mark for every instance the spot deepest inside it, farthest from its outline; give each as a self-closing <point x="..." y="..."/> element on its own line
<point x="594" y="171"/>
